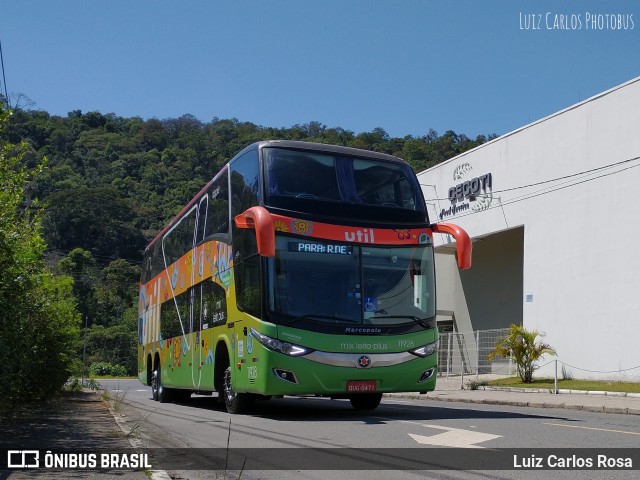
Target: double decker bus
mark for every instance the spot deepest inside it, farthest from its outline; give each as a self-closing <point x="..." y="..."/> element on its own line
<point x="299" y="269"/>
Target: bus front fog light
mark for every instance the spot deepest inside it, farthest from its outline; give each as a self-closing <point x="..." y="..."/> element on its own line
<point x="426" y="375"/>
<point x="285" y="375"/>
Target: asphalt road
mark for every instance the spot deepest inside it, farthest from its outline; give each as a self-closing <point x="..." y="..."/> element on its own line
<point x="396" y="424"/>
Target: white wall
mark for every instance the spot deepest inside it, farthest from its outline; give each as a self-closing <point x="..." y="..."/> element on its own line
<point x="581" y="260"/>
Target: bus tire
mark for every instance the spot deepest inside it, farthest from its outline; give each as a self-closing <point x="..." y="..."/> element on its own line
<point x="365" y="401"/>
<point x="155" y="380"/>
<point x="233" y="401"/>
<point x="159" y="393"/>
<point x="164" y="394"/>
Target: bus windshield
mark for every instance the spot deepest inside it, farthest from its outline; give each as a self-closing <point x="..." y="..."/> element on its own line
<point x="336" y="283"/>
<point x="362" y="182"/>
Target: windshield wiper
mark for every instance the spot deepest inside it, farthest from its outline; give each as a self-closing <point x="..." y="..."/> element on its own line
<point x="312" y="316"/>
<point x="417" y="320"/>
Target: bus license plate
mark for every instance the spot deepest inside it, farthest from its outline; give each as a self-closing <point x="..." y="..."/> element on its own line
<point x="361" y="386"/>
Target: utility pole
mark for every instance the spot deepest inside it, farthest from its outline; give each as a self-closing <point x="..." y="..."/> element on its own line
<point x="4" y="80"/>
<point x="84" y="350"/>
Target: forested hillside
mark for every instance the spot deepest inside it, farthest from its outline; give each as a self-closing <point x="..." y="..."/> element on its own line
<point x="110" y="183"/>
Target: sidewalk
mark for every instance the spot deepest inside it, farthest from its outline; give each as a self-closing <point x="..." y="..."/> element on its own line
<point x="78" y="421"/>
<point x="450" y="390"/>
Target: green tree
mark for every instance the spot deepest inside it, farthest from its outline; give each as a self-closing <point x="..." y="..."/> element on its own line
<point x="116" y="344"/>
<point x="81" y="266"/>
<point x="38" y="321"/>
<point x="524" y="348"/>
<point x="116" y="292"/>
<point x="95" y="219"/>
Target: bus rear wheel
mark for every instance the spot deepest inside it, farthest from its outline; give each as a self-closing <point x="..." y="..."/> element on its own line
<point x="365" y="401"/>
<point x="158" y="392"/>
<point x="155" y="379"/>
<point x="235" y="402"/>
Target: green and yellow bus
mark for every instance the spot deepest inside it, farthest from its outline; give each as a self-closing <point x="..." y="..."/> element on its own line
<point x="299" y="269"/>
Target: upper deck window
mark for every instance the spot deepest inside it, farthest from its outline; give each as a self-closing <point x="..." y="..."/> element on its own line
<point x="303" y="180"/>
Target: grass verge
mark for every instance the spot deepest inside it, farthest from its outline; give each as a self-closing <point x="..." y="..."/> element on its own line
<point x="547" y="383"/>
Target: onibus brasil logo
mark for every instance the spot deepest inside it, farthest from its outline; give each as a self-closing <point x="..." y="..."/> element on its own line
<point x="22" y="459"/>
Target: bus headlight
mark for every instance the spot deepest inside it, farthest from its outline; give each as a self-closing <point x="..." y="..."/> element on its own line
<point x="282" y="347"/>
<point x="426" y="350"/>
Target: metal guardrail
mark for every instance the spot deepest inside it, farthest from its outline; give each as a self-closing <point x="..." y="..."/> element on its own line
<point x="465" y="353"/>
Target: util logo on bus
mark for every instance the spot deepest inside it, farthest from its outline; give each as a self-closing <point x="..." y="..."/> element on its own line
<point x="364" y="235"/>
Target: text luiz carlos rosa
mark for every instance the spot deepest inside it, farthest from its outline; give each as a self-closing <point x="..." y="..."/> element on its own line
<point x="571" y="462"/>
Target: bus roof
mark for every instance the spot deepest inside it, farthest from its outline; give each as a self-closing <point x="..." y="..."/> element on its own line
<point x="323" y="147"/>
<point x="287" y="144"/>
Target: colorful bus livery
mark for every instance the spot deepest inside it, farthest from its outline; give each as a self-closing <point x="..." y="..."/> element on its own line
<point x="299" y="269"/>
<point x="211" y="261"/>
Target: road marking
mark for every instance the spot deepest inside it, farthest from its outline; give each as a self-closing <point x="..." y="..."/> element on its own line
<point x="452" y="437"/>
<point x="593" y="428"/>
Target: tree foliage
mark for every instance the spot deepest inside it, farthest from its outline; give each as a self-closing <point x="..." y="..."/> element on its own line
<point x="524" y="348"/>
<point x="38" y="321"/>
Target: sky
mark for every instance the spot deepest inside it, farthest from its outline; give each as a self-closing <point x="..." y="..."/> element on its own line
<point x="471" y="66"/>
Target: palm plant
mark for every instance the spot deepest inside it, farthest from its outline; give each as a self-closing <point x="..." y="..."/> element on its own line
<point x="524" y="348"/>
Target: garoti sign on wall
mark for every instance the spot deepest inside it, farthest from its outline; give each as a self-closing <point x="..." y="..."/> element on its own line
<point x="470" y="193"/>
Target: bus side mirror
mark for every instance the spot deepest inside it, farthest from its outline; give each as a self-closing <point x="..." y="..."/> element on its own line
<point x="463" y="242"/>
<point x="259" y="219"/>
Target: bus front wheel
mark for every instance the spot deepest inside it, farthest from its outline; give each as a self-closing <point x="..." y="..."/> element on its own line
<point x="365" y="401"/>
<point x="235" y="402"/>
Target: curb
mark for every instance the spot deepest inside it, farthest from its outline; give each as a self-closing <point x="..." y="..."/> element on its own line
<point x="566" y="406"/>
<point x="538" y="403"/>
<point x="560" y="390"/>
<point x="135" y="442"/>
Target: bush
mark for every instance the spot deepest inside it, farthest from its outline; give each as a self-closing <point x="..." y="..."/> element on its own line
<point x="524" y="348"/>
<point x="105" y="369"/>
<point x="475" y="384"/>
<point x="116" y="344"/>
<point x="38" y="320"/>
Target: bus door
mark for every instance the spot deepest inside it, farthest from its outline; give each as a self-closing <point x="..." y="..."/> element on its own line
<point x="196" y="297"/>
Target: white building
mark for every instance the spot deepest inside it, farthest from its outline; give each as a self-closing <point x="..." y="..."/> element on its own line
<point x="556" y="234"/>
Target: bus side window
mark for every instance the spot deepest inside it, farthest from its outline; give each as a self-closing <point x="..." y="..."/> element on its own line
<point x="180" y="239"/>
<point x="247" y="276"/>
<point x="245" y="190"/>
<point x="157" y="264"/>
<point x="245" y="193"/>
<point x="173" y="314"/>
<point x="218" y="207"/>
<point x="245" y="182"/>
<point x="147" y="270"/>
<point x="213" y="309"/>
<point x="202" y="219"/>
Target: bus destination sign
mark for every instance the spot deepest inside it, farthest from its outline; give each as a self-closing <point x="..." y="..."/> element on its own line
<point x="328" y="248"/>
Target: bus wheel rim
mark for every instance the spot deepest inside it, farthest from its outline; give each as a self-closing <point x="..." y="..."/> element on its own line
<point x="229" y="394"/>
